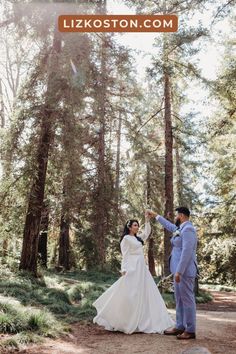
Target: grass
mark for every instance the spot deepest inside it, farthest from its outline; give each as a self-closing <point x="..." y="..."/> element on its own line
<point x="26" y="324"/>
<point x="31" y="309"/>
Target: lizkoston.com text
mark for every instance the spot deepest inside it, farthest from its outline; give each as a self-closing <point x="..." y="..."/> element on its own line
<point x="139" y="23"/>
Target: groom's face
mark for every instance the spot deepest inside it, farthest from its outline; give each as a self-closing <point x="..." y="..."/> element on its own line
<point x="178" y="219"/>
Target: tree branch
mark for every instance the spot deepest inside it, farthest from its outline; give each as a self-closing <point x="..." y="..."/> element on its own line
<point x="220" y="9"/>
<point x="161" y="109"/>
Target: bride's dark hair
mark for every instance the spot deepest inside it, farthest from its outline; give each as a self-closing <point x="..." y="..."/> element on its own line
<point x="126" y="230"/>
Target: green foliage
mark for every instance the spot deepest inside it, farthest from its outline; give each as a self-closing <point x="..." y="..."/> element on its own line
<point x="11" y="324"/>
<point x="218" y="261"/>
<point x="203" y="297"/>
<point x="38" y="321"/>
<point x="87" y="247"/>
<point x="169" y="300"/>
<point x="218" y="245"/>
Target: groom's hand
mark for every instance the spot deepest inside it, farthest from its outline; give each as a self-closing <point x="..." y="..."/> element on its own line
<point x="177" y="277"/>
<point x="151" y="213"/>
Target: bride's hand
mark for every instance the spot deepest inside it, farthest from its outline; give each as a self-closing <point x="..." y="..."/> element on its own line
<point x="150" y="214"/>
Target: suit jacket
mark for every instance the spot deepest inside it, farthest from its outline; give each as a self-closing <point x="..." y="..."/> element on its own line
<point x="184" y="246"/>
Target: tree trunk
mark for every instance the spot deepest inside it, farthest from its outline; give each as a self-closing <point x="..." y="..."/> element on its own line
<point x="64" y="237"/>
<point x="151" y="243"/>
<point x="43" y="236"/>
<point x="32" y="224"/>
<point x="179" y="179"/>
<point x="101" y="209"/>
<point x="117" y="181"/>
<point x="4" y="248"/>
<point x="100" y="220"/>
<point x="64" y="243"/>
<point x="169" y="193"/>
<point x="151" y="260"/>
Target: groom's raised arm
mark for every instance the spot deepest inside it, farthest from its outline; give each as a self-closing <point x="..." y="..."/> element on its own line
<point x="166" y="223"/>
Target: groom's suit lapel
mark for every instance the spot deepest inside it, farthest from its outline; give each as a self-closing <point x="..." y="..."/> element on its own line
<point x="178" y="232"/>
<point x="186" y="223"/>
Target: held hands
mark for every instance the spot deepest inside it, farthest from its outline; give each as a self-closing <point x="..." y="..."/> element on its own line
<point x="150" y="213"/>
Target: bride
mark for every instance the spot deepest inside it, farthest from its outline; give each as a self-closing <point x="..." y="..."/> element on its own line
<point x="133" y="303"/>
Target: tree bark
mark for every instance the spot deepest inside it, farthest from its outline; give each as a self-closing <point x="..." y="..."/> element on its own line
<point x="43" y="236"/>
<point x="178" y="174"/>
<point x="101" y="209"/>
<point x="4" y="248"/>
<point x="117" y="181"/>
<point x="169" y="192"/>
<point x="151" y="243"/>
<point x="32" y="223"/>
<point x="151" y="260"/>
<point x="64" y="243"/>
<point x="64" y="237"/>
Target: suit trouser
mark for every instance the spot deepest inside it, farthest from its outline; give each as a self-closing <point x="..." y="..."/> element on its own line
<point x="185" y="304"/>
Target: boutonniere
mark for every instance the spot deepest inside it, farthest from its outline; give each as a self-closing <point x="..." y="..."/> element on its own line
<point x="176" y="233"/>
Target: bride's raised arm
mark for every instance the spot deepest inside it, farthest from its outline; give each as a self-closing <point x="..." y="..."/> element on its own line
<point x="147" y="228"/>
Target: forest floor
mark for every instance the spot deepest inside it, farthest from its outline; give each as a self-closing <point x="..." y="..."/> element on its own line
<point x="216" y="328"/>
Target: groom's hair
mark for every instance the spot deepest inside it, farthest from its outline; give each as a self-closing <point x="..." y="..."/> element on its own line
<point x="183" y="210"/>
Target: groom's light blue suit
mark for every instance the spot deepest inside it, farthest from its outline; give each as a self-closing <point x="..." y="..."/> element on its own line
<point x="183" y="261"/>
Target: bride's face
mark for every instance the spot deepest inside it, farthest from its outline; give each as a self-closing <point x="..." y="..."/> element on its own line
<point x="134" y="227"/>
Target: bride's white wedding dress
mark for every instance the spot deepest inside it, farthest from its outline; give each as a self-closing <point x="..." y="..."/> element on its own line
<point x="133" y="303"/>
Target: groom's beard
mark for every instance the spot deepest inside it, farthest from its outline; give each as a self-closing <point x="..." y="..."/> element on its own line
<point x="177" y="223"/>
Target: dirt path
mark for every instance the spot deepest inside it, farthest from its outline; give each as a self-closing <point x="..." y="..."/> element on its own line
<point x="216" y="333"/>
<point x="223" y="301"/>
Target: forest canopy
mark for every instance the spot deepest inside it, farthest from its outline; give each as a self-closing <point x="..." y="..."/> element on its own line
<point x="93" y="133"/>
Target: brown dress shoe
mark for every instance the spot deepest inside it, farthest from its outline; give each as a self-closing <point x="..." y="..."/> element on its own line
<point x="186" y="335"/>
<point x="173" y="331"/>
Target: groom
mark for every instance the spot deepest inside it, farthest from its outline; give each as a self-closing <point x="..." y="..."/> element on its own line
<point x="184" y="267"/>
